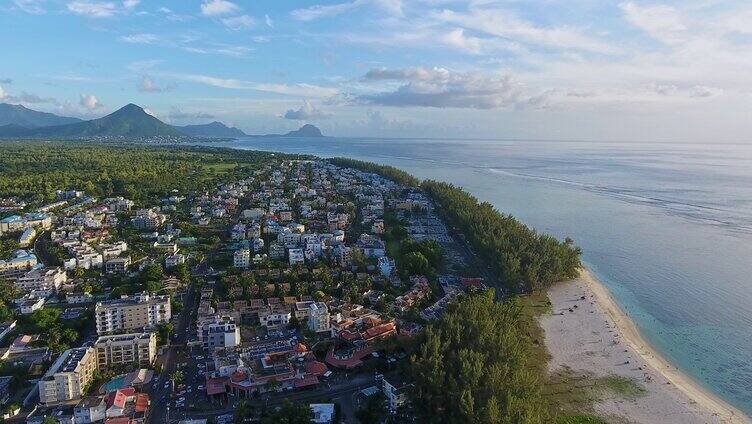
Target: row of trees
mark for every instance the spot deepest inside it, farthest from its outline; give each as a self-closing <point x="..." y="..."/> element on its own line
<point x="524" y="259"/>
<point x="395" y="174"/>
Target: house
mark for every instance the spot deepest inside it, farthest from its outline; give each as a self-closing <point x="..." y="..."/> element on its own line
<point x="5" y="389"/>
<point x="90" y="410"/>
<point x="371" y="246"/>
<point x="28" y="306"/>
<point x="396" y="388"/>
<point x="172" y="261"/>
<point x="117" y="265"/>
<point x="386" y="266"/>
<point x="323" y="413"/>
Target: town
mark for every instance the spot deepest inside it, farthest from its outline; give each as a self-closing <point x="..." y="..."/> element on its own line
<point x="298" y="288"/>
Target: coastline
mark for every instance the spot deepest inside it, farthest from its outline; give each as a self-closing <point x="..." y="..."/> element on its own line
<point x="588" y="333"/>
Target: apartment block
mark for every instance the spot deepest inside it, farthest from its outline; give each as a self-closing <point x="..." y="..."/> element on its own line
<point x="125" y="349"/>
<point x="132" y="313"/>
<point x="68" y="377"/>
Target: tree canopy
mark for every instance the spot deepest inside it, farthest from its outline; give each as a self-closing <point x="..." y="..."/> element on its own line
<point x="473" y="366"/>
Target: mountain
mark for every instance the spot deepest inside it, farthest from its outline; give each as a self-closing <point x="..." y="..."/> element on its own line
<point x="23" y="117"/>
<point x="128" y="121"/>
<point x="13" y="130"/>
<point x="306" y="130"/>
<point x="214" y="129"/>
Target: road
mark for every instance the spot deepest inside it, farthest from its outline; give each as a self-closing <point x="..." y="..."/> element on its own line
<point x="160" y="397"/>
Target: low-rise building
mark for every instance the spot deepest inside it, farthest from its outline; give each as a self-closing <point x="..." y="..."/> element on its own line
<point x="44" y="280"/>
<point x="117" y="265"/>
<point x="396" y="389"/>
<point x="172" y="261"/>
<point x="218" y="332"/>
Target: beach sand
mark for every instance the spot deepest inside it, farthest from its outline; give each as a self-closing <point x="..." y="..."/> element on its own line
<point x="597" y="338"/>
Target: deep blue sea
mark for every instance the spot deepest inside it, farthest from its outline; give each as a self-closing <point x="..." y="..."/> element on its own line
<point x="667" y="227"/>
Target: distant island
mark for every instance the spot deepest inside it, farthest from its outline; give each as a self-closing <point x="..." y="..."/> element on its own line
<point x="129" y="122"/>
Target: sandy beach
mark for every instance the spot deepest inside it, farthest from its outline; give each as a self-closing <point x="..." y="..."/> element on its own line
<point x="588" y="333"/>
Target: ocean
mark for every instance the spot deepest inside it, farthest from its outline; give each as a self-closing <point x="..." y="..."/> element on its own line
<point x="666" y="227"/>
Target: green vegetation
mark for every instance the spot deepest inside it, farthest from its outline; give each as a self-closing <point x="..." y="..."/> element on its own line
<point x="289" y="413"/>
<point x="34" y="170"/>
<point x="524" y="259"/>
<point x="473" y="366"/>
<point x="395" y="174"/>
<point x="623" y="387"/>
<point x="580" y="419"/>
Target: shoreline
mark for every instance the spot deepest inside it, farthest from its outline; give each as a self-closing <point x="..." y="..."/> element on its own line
<point x="671" y="395"/>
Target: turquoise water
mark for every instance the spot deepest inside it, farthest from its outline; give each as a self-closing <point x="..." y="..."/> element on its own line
<point x="114" y="384"/>
<point x="667" y="227"/>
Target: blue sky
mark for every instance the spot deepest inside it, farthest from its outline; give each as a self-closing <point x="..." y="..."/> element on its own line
<point x="576" y="69"/>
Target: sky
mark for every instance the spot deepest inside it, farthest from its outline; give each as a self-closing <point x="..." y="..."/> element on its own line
<point x="634" y="70"/>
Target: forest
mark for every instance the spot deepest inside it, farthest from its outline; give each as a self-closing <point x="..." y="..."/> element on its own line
<point x="395" y="174"/>
<point x="524" y="259"/>
<point x="34" y="170"/>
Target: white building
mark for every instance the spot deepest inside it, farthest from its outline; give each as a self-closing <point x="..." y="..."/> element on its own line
<point x="241" y="258"/>
<point x="67" y="378"/>
<point x="132" y="313"/>
<point x="45" y="280"/>
<point x="218" y="332"/>
<point x="295" y="256"/>
<point x="172" y="261"/>
<point x="318" y="317"/>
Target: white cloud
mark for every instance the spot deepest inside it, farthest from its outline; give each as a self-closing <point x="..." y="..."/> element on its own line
<point x="301" y="89"/>
<point x="663" y="23"/>
<point x="33" y="7"/>
<point x="268" y="21"/>
<point x="93" y="9"/>
<point x="143" y="38"/>
<point x="306" y="112"/>
<point x="89" y="101"/>
<point x="234" y="51"/>
<point x="458" y="39"/>
<point x="239" y="22"/>
<point x="507" y="25"/>
<point x="149" y="86"/>
<point x="318" y="11"/>
<point x="442" y="88"/>
<point x="130" y="4"/>
<point x="218" y="8"/>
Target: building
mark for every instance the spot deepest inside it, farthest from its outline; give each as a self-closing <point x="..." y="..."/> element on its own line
<point x="147" y="219"/>
<point x="27" y="237"/>
<point x="90" y="410"/>
<point x="46" y="280"/>
<point x="5" y="389"/>
<point x="295" y="257"/>
<point x="172" y="261"/>
<point x="117" y="265"/>
<point x="396" y="389"/>
<point x="68" y="377"/>
<point x="21" y="262"/>
<point x="323" y="413"/>
<point x="28" y="306"/>
<point x="241" y="258"/>
<point x="218" y="332"/>
<point x="275" y="317"/>
<point x="126" y="349"/>
<point x="132" y="313"/>
<point x="318" y="317"/>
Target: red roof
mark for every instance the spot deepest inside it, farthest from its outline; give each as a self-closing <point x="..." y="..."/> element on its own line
<point x="119" y="397"/>
<point x="300" y="348"/>
<point x="215" y="386"/>
<point x="379" y="330"/>
<point x="142" y="402"/>
<point x="307" y="381"/>
<point x="315" y="368"/>
<point x="238" y="376"/>
<point x="120" y="420"/>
